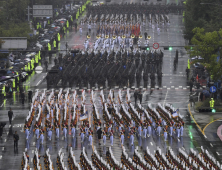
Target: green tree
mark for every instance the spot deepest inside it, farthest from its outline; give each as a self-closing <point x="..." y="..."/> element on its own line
<point x="208" y="45"/>
<point x="204" y="16"/>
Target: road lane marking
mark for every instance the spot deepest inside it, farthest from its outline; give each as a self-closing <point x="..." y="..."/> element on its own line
<point x="209" y="124"/>
<point x="194" y="119"/>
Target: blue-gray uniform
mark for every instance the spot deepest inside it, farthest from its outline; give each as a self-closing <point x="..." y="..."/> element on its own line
<point x="57" y="130"/>
<point x="181" y="128"/>
<point x="90" y="136"/>
<point x="73" y="130"/>
<point x="111" y="138"/>
<point x="82" y="134"/>
<point x="178" y="130"/>
<point x="165" y="133"/>
<point x="158" y="128"/>
<point x="139" y="129"/>
<point x="122" y="138"/>
<point x="120" y="127"/>
<point x="86" y="131"/>
<point x="132" y="137"/>
<point x="42" y="136"/>
<point x="144" y="130"/>
<point x="26" y="132"/>
<point x="49" y="130"/>
<point x="104" y="137"/>
<point x="171" y="128"/>
<point x="149" y="129"/>
<point x="109" y="129"/>
<point x="65" y="130"/>
<point x="37" y="131"/>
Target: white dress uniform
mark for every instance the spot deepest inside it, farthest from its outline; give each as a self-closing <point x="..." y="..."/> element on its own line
<point x="80" y="30"/>
<point x="146" y="43"/>
<point x="158" y="31"/>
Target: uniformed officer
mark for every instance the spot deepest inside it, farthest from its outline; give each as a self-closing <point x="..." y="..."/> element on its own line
<point x="26" y="132"/>
<point x="149" y="130"/>
<point x="144" y="130"/>
<point x="42" y="136"/>
<point x="171" y="127"/>
<point x="65" y="129"/>
<point x="178" y="130"/>
<point x="132" y="136"/>
<point x="104" y="137"/>
<point x="158" y="127"/>
<point x="37" y="131"/>
<point x="139" y="129"/>
<point x="111" y="137"/>
<point x="57" y="130"/>
<point x="90" y="136"/>
<point x="82" y="134"/>
<point x="73" y="130"/>
<point x="49" y="132"/>
<point x="165" y="133"/>
<point x="122" y="137"/>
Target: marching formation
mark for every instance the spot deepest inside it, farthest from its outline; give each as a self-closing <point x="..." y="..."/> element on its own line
<point x="101" y="69"/>
<point x="122" y="27"/>
<point x="119" y="119"/>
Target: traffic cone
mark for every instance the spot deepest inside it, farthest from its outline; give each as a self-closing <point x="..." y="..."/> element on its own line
<point x="197" y="78"/>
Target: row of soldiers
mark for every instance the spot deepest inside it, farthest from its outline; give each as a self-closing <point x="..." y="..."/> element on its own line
<point x="98" y="67"/>
<point x="126" y="111"/>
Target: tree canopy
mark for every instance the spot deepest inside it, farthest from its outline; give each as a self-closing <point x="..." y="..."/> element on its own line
<point x="207" y="16"/>
<point x="208" y="46"/>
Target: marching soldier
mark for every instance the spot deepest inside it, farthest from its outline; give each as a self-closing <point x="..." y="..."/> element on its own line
<point x="42" y="136"/>
<point x="90" y="136"/>
<point x="144" y="130"/>
<point x="171" y="127"/>
<point x="159" y="127"/>
<point x="111" y="137"/>
<point x="149" y="130"/>
<point x="104" y="137"/>
<point x="26" y="132"/>
<point x="57" y="130"/>
<point x="65" y="126"/>
<point x="82" y="134"/>
<point x="178" y="130"/>
<point x="132" y="136"/>
<point x="37" y="131"/>
<point x="49" y="129"/>
<point x="181" y="128"/>
<point x="165" y="133"/>
<point x="122" y="137"/>
<point x="139" y="129"/>
<point x="73" y="130"/>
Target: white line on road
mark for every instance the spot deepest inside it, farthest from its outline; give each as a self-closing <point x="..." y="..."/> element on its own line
<point x="217" y="153"/>
<point x="38" y="82"/>
<point x="3" y="103"/>
<point x="165" y="98"/>
<point x="0" y="156"/>
<point x="151" y="143"/>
